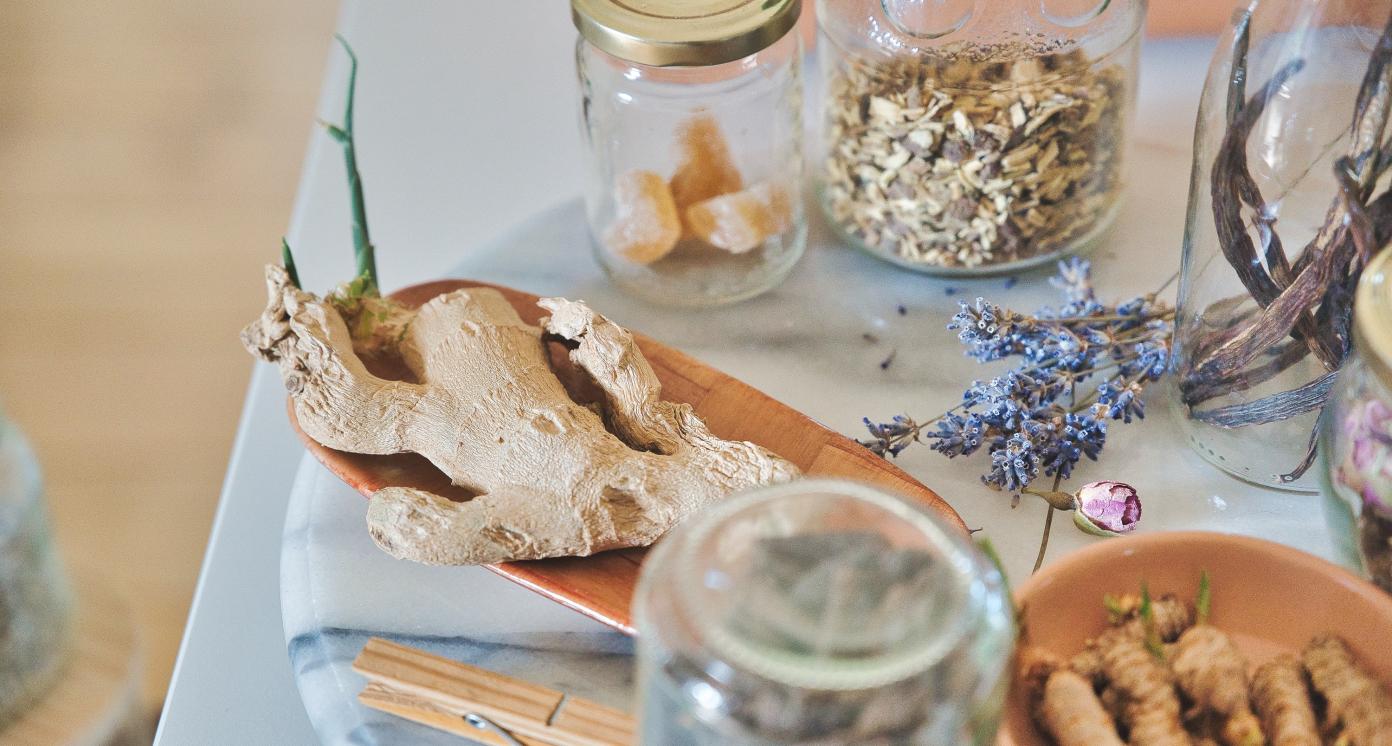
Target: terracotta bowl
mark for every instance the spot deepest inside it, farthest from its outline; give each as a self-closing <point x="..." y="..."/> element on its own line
<point x="1268" y="597"/>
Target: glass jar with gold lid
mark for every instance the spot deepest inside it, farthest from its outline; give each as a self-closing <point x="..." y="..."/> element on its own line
<point x="1356" y="433"/>
<point x="691" y="118"/>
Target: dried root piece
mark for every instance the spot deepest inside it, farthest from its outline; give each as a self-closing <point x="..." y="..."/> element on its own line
<point x="1279" y="695"/>
<point x="706" y="168"/>
<point x="1149" y="705"/>
<point x="1357" y="709"/>
<point x="646" y="225"/>
<point x="1213" y="675"/>
<point x="741" y="221"/>
<point x="487" y="410"/>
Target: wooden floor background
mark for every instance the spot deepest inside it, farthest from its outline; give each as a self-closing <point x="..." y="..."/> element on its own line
<point x="149" y="152"/>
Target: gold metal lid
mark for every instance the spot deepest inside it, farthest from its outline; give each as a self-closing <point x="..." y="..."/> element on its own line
<point x="669" y="33"/>
<point x="1372" y="316"/>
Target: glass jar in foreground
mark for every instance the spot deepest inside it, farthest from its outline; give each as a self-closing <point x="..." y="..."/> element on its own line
<point x="967" y="138"/>
<point x="820" y="612"/>
<point x="1356" y="434"/>
<point x="35" y="601"/>
<point x="692" y="121"/>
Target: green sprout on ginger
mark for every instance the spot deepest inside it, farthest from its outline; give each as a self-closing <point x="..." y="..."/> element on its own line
<point x="364" y="283"/>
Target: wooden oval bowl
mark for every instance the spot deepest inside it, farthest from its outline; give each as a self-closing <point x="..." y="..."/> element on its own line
<point x="601" y="586"/>
<point x="1270" y="598"/>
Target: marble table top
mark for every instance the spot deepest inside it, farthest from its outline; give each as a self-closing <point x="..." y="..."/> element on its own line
<point x="804" y="344"/>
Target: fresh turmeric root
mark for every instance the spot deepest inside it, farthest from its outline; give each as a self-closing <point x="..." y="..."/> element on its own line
<point x="1072" y="714"/>
<point x="1150" y="707"/>
<point x="1278" y="693"/>
<point x="1063" y="703"/>
<point x="1213" y="675"/>
<point x="1357" y="709"/>
<point x="1171" y="617"/>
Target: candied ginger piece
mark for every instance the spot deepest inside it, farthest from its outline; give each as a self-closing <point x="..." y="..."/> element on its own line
<point x="706" y="169"/>
<point x="741" y="221"/>
<point x="646" y="225"/>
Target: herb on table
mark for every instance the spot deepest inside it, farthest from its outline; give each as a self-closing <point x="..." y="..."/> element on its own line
<point x="1078" y="367"/>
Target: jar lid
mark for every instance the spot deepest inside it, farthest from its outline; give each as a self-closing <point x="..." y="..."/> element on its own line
<point x="1372" y="316"/>
<point x="670" y="33"/>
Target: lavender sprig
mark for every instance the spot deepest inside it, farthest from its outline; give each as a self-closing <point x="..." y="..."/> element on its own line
<point x="1081" y="365"/>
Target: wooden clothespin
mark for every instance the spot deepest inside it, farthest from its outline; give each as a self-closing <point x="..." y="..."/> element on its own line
<point x="481" y="704"/>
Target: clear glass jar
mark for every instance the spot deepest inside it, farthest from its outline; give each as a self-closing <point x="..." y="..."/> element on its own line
<point x="823" y="612"/>
<point x="1356" y="434"/>
<point x="1270" y="257"/>
<point x="692" y="124"/>
<point x="968" y="138"/>
<point x="35" y="600"/>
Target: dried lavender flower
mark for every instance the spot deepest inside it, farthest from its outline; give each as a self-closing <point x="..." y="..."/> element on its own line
<point x="1080" y="365"/>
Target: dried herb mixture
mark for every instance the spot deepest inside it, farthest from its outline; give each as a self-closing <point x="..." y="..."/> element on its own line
<point x="979" y="158"/>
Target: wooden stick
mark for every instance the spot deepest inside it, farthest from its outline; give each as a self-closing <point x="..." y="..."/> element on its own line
<point x="438" y="692"/>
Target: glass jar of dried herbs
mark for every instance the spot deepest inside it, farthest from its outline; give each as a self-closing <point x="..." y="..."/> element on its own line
<point x="1288" y="203"/>
<point x="35" y="601"/>
<point x="691" y="113"/>
<point x="1356" y="435"/>
<point x="966" y="138"/>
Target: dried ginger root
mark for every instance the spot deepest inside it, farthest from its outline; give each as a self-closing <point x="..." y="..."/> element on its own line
<point x="1279" y="695"/>
<point x="741" y="221"/>
<point x="1064" y="704"/>
<point x="487" y="410"/>
<point x="705" y="169"/>
<point x="1357" y="708"/>
<point x="1213" y="675"/>
<point x="646" y="224"/>
<point x="1149" y="705"/>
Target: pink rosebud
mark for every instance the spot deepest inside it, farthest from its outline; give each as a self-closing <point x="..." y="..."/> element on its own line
<point x="1107" y="508"/>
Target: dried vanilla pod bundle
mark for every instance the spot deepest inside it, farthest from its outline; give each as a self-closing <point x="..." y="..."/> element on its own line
<point x="983" y="157"/>
<point x="1280" y="698"/>
<point x="1358" y="711"/>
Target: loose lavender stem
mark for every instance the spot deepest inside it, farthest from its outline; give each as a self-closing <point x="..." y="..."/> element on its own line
<point x="1048" y="529"/>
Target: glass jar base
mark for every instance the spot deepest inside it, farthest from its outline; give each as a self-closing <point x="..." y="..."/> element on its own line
<point x="697" y="276"/>
<point x="1245" y="453"/>
<point x="1305" y="485"/>
<point x="1082" y="246"/>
